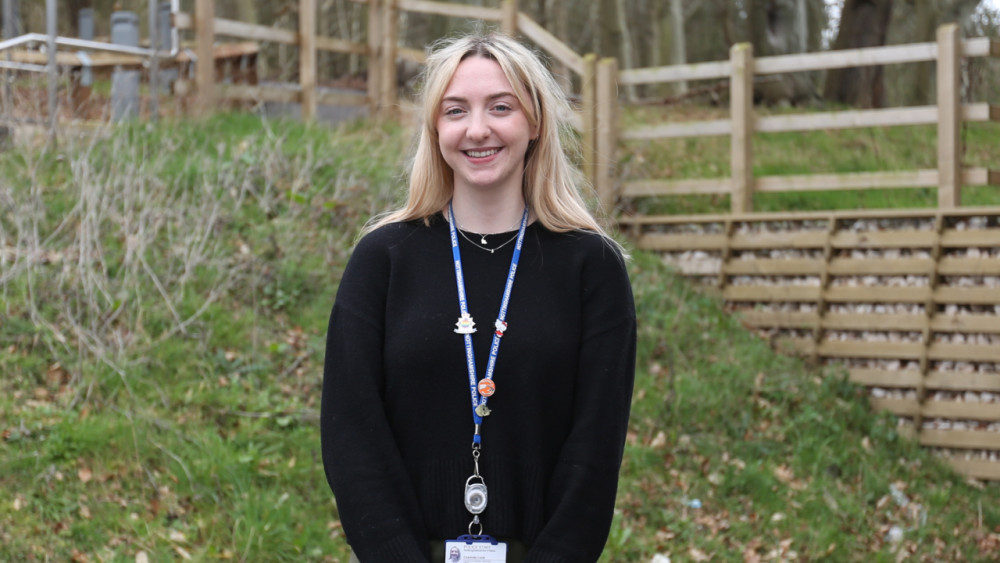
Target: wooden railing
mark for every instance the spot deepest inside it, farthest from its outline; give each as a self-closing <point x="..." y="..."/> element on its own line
<point x="740" y="70"/>
<point x="598" y="94"/>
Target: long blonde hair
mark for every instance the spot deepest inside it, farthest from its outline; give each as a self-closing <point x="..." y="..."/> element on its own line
<point x="551" y="185"/>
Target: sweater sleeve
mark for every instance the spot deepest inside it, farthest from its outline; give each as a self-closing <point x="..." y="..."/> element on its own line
<point x="581" y="495"/>
<point x="375" y="500"/>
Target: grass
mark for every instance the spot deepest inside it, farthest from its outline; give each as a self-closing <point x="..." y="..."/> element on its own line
<point x="164" y="292"/>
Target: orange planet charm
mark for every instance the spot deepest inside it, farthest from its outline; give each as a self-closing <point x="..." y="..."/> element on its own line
<point x="487" y="387"/>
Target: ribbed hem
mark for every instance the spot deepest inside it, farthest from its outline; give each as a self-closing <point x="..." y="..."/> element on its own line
<point x="403" y="549"/>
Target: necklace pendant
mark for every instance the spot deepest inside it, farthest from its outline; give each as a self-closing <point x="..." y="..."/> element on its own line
<point x="482" y="239"/>
<point x="465" y="324"/>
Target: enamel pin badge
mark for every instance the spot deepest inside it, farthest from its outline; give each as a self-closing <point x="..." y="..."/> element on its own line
<point x="501" y="327"/>
<point x="465" y="324"/>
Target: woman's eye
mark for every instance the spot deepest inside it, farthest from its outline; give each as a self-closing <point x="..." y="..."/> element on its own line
<point x="502" y="107"/>
<point x="453" y="111"/>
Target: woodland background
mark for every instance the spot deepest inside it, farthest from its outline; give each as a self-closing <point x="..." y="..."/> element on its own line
<point x="642" y="33"/>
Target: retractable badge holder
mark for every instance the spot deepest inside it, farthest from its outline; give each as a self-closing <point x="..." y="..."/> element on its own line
<point x="476" y="495"/>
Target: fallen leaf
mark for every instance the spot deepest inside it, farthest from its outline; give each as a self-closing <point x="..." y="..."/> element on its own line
<point x="182" y="552"/>
<point x="698" y="555"/>
<point x="141" y="557"/>
<point x="177" y="536"/>
<point x="660" y="441"/>
<point x="85" y="474"/>
<point x="84" y="511"/>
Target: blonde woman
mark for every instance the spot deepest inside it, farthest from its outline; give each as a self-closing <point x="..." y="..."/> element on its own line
<point x="481" y="349"/>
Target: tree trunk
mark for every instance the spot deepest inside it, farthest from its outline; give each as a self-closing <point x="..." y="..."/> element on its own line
<point x="863" y="23"/>
<point x="780" y="27"/>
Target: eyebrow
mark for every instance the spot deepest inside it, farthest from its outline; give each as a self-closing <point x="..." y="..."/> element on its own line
<point x="489" y="98"/>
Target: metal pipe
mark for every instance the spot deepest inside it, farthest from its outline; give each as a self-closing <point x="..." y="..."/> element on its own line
<point x="70" y="42"/>
<point x="24" y="66"/>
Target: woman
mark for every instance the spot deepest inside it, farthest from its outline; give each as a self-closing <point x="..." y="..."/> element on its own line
<point x="493" y="246"/>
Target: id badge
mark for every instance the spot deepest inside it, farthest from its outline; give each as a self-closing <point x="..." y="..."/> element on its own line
<point x="475" y="549"/>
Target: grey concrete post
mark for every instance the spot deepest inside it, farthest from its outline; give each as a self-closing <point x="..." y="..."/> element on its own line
<point x="124" y="83"/>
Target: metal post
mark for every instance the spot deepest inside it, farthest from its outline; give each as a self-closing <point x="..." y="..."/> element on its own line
<point x="124" y="83"/>
<point x="154" y="63"/>
<point x="50" y="28"/>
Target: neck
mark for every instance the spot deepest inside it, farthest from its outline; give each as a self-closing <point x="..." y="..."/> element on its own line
<point x="486" y="215"/>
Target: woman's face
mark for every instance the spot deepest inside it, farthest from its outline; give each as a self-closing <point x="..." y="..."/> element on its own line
<point x="483" y="131"/>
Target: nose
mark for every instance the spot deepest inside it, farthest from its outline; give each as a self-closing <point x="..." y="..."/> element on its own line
<point x="479" y="127"/>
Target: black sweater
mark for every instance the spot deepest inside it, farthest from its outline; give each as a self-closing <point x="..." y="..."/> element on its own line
<point x="396" y="417"/>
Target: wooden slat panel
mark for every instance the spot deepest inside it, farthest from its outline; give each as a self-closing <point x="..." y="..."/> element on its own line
<point x="777" y="267"/>
<point x="989" y="324"/>
<point x="881" y="266"/>
<point x="696" y="71"/>
<point x="255" y="32"/>
<point x="880" y="294"/>
<point x="979" y="469"/>
<point x="785" y="239"/>
<point x="972" y="439"/>
<point x="874" y="321"/>
<point x="977" y="237"/>
<point x="778" y="319"/>
<point x="855" y="214"/>
<point x="913" y="115"/>
<point x="447" y="9"/>
<point x="665" y="242"/>
<point x="847" y="181"/>
<point x="550" y="43"/>
<point x="246" y="93"/>
<point x="962" y="410"/>
<point x="875" y="350"/>
<point x="953" y="266"/>
<point x="963" y="352"/>
<point x="898" y="407"/>
<point x="963" y="381"/>
<point x="770" y="293"/>
<point x="967" y="295"/>
<point x="908" y="238"/>
<point x="906" y="378"/>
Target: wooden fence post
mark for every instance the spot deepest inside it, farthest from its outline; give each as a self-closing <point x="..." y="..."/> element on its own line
<point x="374" y="57"/>
<point x="508" y="17"/>
<point x="390" y="30"/>
<point x="607" y="103"/>
<point x="588" y="92"/>
<point x="949" y="117"/>
<point x="204" y="26"/>
<point x="741" y="114"/>
<point x="307" y="58"/>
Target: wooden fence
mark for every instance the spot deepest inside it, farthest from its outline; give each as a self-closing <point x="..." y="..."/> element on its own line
<point x="598" y="93"/>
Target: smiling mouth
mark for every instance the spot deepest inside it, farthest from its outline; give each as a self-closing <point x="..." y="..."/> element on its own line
<point x="482" y="153"/>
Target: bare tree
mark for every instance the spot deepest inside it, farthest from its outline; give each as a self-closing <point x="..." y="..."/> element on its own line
<point x="863" y="23"/>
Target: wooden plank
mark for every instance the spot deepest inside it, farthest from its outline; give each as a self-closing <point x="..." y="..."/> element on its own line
<point x="963" y="381"/>
<point x="799" y="346"/>
<point x="901" y="238"/>
<point x="877" y="294"/>
<point x="775" y="267"/>
<point x="181" y="20"/>
<point x="978" y="469"/>
<point x="949" y="127"/>
<point x="771" y="293"/>
<point x="848" y="181"/>
<point x="255" y="32"/>
<point x="846" y="215"/>
<point x="205" y="73"/>
<point x="961" y="410"/>
<point x="607" y="121"/>
<point x="706" y="128"/>
<point x="741" y="139"/>
<point x="874" y="321"/>
<point x="873" y="350"/>
<point x="324" y="43"/>
<point x="650" y="188"/>
<point x="963" y="352"/>
<point x="898" y="407"/>
<point x="967" y="295"/>
<point x="676" y="73"/>
<point x="307" y="59"/>
<point x="672" y="242"/>
<point x="415" y="55"/>
<point x="909" y="53"/>
<point x="259" y="93"/>
<point x="550" y="43"/>
<point x="967" y="323"/>
<point x="905" y="378"/>
<point x="974" y="237"/>
<point x="778" y="319"/>
<point x="337" y="98"/>
<point x="886" y="117"/>
<point x="972" y="439"/>
<point x="782" y="239"/>
<point x="452" y="10"/>
<point x="881" y="266"/>
<point x="955" y="266"/>
<point x="978" y="46"/>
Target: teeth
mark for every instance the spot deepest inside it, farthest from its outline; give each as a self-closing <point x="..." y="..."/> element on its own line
<point x="481" y="154"/>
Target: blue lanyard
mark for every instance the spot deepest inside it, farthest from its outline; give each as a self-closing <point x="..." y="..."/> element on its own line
<point x="470" y="355"/>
